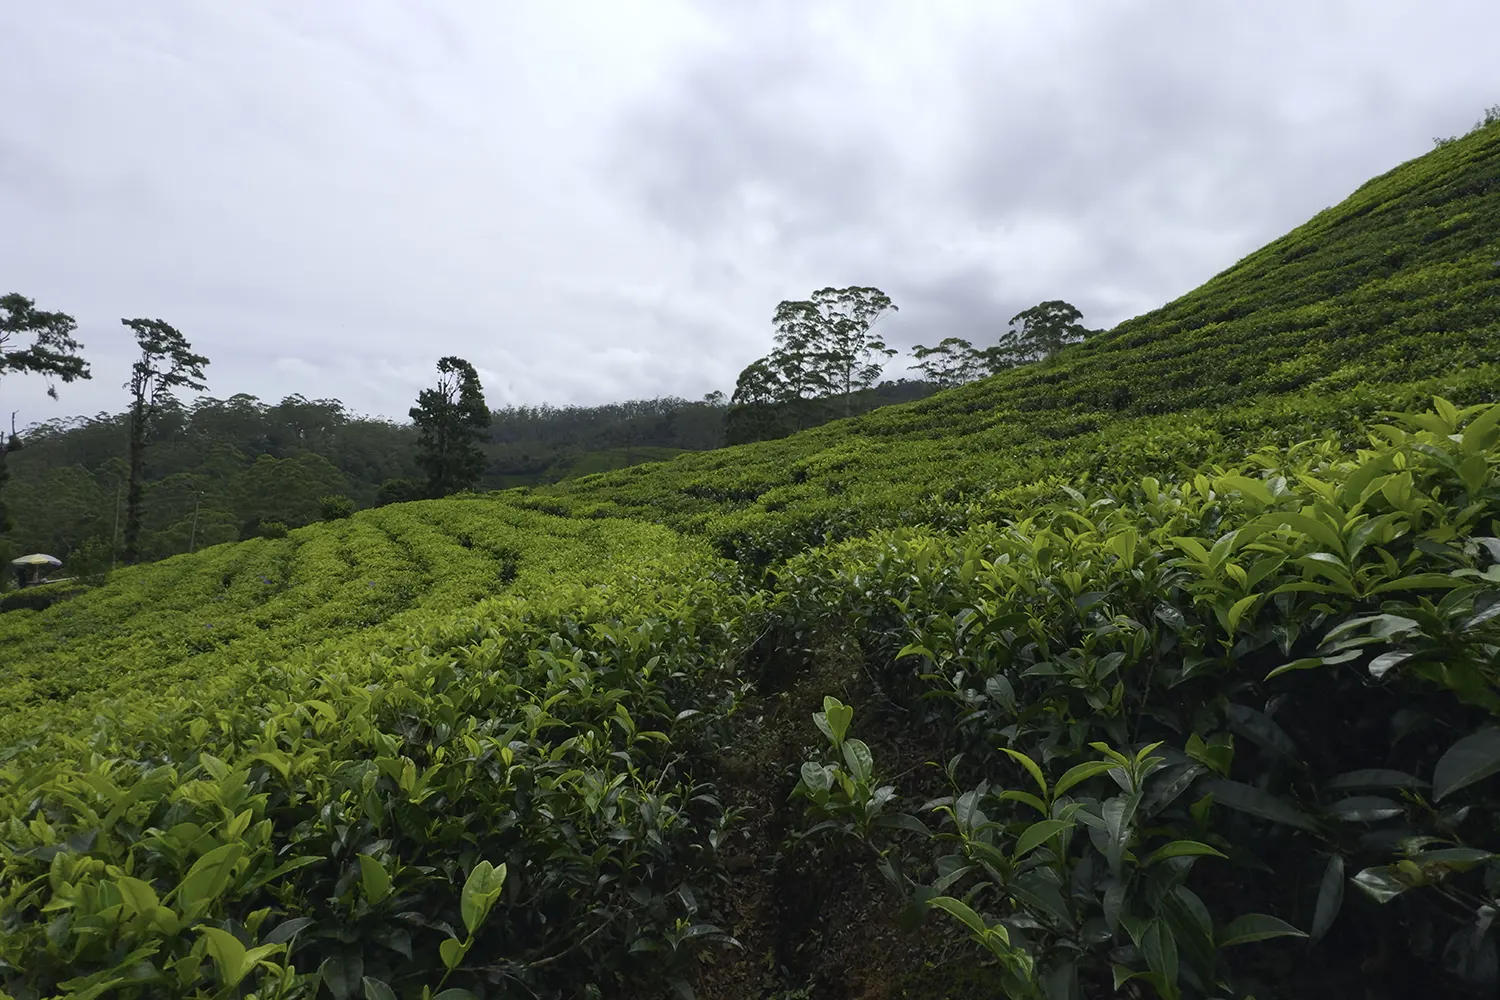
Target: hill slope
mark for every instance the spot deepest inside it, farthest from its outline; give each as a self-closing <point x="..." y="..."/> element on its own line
<point x="1208" y="642"/>
<point x="1398" y="284"/>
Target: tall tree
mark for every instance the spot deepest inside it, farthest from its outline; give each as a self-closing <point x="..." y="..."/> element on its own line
<point x="823" y="348"/>
<point x="954" y="361"/>
<point x="451" y="420"/>
<point x="831" y="330"/>
<point x="167" y="362"/>
<point x="35" y="342"/>
<point x="1037" y="334"/>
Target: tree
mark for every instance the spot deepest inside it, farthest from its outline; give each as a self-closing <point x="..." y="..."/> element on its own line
<point x="167" y="362"/>
<point x="829" y="336"/>
<point x="823" y="348"/>
<point x="451" y="420"/>
<point x="34" y="342"/>
<point x="1044" y="330"/>
<point x="954" y="361"/>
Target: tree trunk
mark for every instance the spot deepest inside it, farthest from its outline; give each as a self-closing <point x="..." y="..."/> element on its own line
<point x="136" y="489"/>
<point x="4" y="475"/>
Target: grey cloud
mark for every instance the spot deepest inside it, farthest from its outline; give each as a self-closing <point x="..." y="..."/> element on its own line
<point x="599" y="201"/>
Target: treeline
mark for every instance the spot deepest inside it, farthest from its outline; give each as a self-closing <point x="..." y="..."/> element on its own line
<point x="165" y="477"/>
<point x="827" y="363"/>
<point x="247" y="467"/>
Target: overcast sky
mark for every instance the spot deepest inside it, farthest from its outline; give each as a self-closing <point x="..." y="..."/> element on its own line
<point x="596" y="201"/>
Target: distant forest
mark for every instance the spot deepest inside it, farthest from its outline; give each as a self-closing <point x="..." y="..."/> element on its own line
<point x="164" y="477"/>
<point x="221" y="470"/>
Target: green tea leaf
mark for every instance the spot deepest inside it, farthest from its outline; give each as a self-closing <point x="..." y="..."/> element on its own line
<point x="1258" y="802"/>
<point x="839" y="716"/>
<point x="376" y="989"/>
<point x="1037" y="834"/>
<point x="208" y="876"/>
<point x="1182" y="849"/>
<point x="1330" y="897"/>
<point x="861" y="762"/>
<point x="377" y="881"/>
<point x="138" y="895"/>
<point x="1080" y="773"/>
<point x="479" y="894"/>
<point x="1483" y="432"/>
<point x="962" y="911"/>
<point x="1256" y="927"/>
<point x="452" y="951"/>
<point x="1030" y="765"/>
<point x="228" y="954"/>
<point x="1471" y="759"/>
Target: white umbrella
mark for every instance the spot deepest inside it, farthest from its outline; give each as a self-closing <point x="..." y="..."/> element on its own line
<point x="37" y="559"/>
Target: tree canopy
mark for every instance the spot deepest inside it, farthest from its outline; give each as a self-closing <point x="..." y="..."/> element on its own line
<point x="34" y="341"/>
<point x="166" y="363"/>
<point x="451" y="418"/>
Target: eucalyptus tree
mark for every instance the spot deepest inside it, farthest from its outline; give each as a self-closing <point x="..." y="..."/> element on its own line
<point x="166" y="363"/>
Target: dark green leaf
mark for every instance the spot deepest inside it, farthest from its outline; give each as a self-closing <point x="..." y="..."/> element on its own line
<point x="1258" y="802"/>
<point x="284" y="931"/>
<point x="1182" y="849"/>
<point x="1256" y="927"/>
<point x="1259" y="729"/>
<point x="1365" y="809"/>
<point x="903" y="821"/>
<point x="1458" y="858"/>
<point x="1330" y="897"/>
<point x="1159" y="948"/>
<point x="376" y="989"/>
<point x="1471" y="759"/>
<point x="343" y="975"/>
<point x="1375" y="778"/>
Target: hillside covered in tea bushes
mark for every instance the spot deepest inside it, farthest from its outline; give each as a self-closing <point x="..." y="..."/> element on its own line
<point x="1166" y="668"/>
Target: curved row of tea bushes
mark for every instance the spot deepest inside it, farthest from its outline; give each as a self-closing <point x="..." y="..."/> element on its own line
<point x="350" y="815"/>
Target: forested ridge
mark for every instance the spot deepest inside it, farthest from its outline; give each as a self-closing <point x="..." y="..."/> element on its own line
<point x="1162" y="662"/>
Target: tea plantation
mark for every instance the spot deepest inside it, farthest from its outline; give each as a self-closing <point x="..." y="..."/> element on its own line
<point x="1168" y="668"/>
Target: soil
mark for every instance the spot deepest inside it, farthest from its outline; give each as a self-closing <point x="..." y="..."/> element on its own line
<point x="817" y="919"/>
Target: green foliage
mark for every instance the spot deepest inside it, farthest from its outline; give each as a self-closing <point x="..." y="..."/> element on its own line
<point x="1270" y="665"/>
<point x="953" y="362"/>
<point x="823" y="349"/>
<point x="1036" y="334"/>
<point x="299" y="805"/>
<point x="166" y="363"/>
<point x="35" y="342"/>
<point x="336" y="506"/>
<point x="1378" y="303"/>
<point x="450" y="419"/>
<point x="1198" y="622"/>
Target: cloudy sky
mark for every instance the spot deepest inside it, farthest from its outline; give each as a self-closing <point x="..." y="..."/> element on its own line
<point x="595" y="201"/>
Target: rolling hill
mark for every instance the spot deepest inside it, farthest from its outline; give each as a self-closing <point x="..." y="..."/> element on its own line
<point x="1197" y="627"/>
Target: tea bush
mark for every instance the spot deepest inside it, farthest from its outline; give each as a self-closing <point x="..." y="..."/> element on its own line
<point x="1201" y="637"/>
<point x="1283" y="666"/>
<point x="268" y="827"/>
